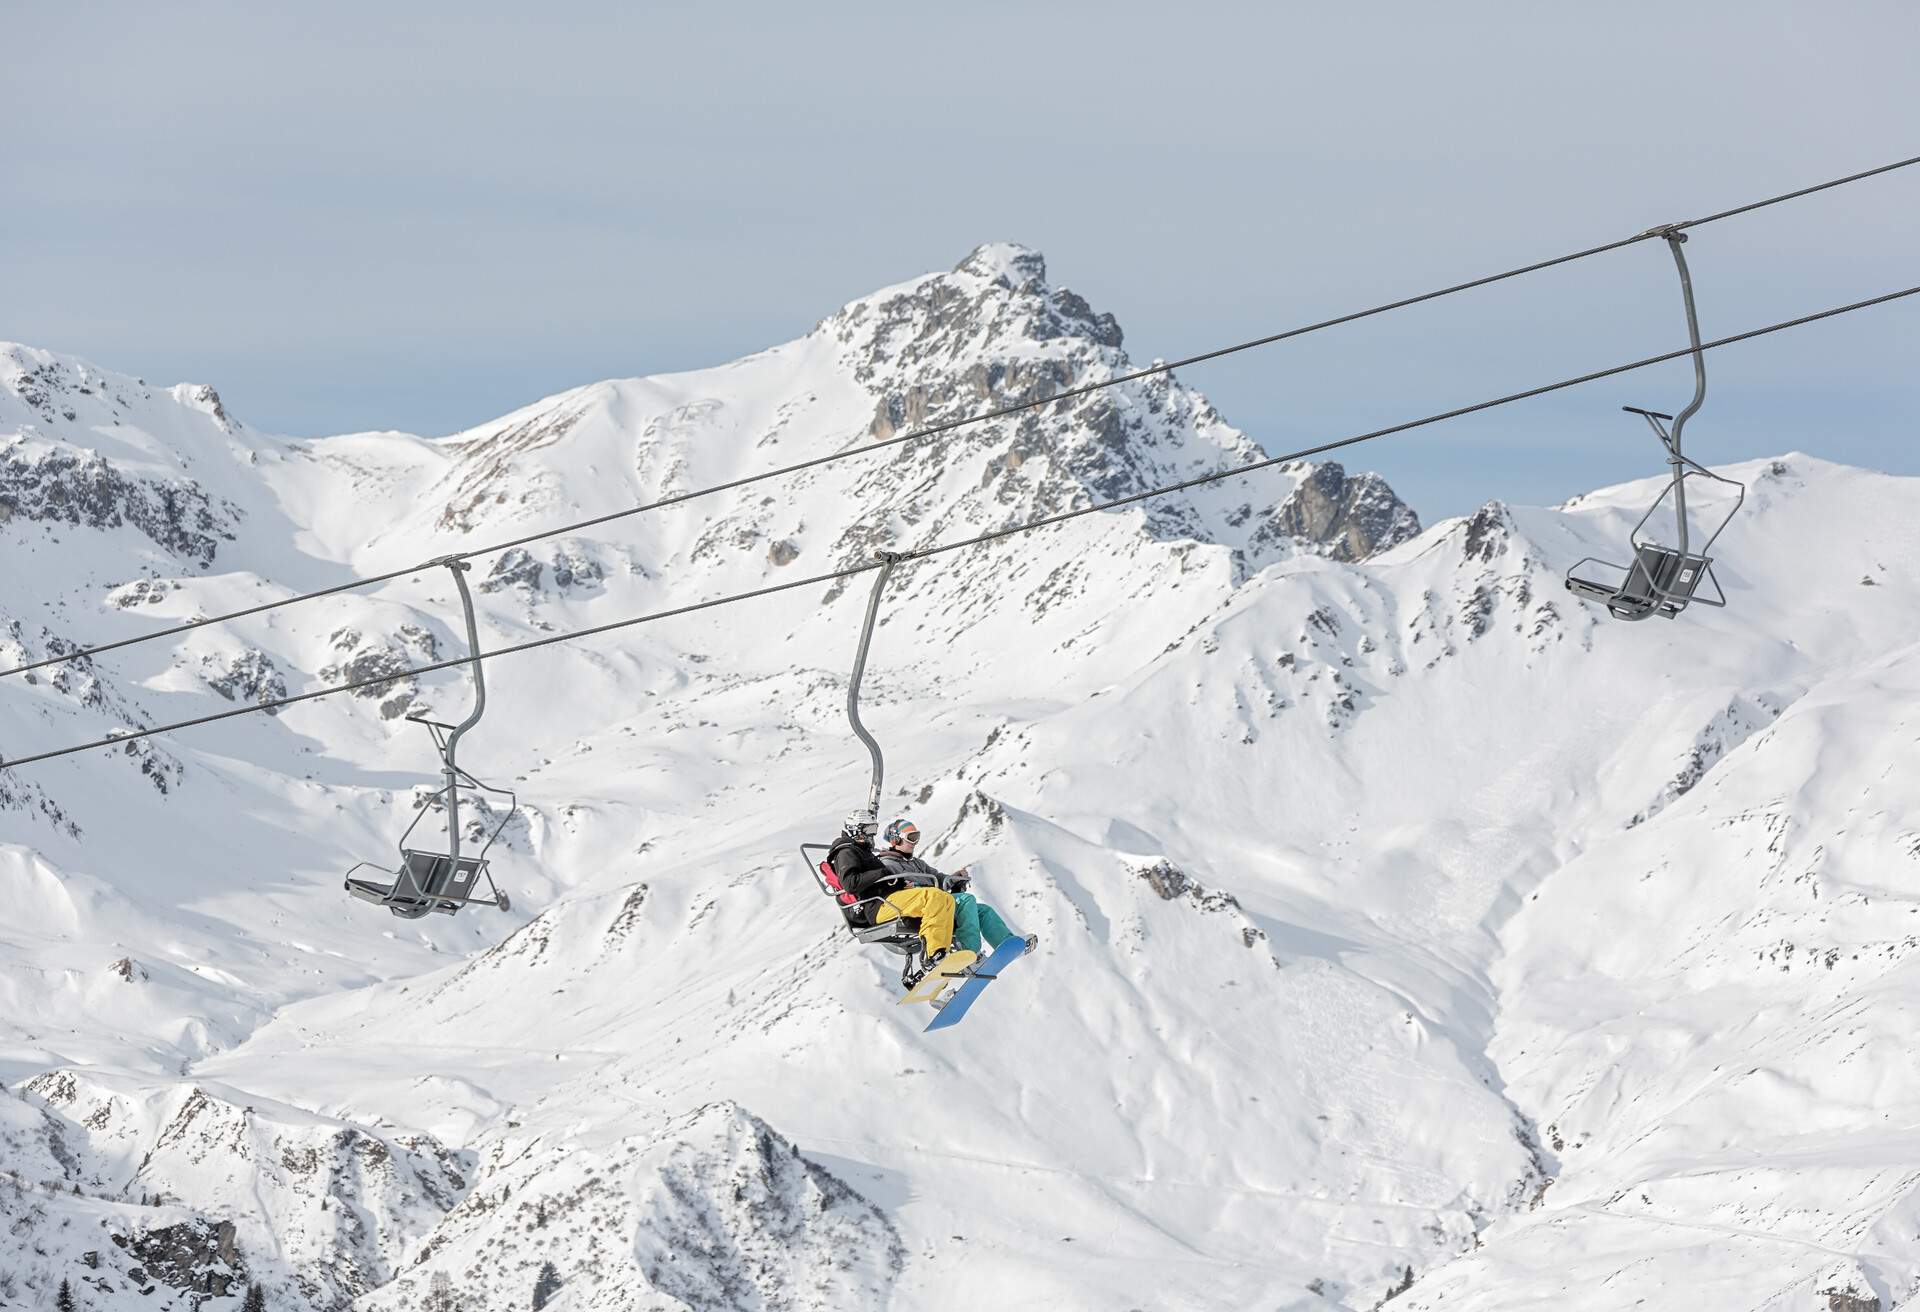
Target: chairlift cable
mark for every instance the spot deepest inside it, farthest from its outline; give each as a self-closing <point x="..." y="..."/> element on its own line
<point x="976" y="540"/>
<point x="1785" y="196"/>
<point x="935" y="430"/>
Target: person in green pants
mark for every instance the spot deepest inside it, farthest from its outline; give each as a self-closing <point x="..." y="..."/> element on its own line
<point x="973" y="920"/>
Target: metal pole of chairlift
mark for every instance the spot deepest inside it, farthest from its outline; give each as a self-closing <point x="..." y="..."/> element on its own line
<point x="888" y="559"/>
<point x="1674" y="459"/>
<point x="447" y="762"/>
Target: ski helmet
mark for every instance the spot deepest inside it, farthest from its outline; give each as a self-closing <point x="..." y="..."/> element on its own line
<point x="860" y="825"/>
<point x="902" y="833"/>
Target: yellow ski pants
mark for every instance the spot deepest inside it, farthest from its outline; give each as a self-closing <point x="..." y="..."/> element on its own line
<point x="933" y="906"/>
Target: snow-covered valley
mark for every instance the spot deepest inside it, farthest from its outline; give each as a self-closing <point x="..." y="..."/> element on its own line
<point x="1410" y="931"/>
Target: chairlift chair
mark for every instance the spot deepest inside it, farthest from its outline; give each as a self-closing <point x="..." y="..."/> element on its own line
<point x="428" y="879"/>
<point x="1664" y="580"/>
<point x="901" y="934"/>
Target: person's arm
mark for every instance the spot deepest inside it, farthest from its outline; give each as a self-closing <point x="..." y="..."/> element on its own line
<point x="856" y="870"/>
<point x="926" y="873"/>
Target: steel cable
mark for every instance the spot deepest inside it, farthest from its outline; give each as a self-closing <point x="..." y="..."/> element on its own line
<point x="935" y="430"/>
<point x="941" y="548"/>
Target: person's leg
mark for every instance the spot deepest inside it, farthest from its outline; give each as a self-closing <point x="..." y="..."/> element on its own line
<point x="933" y="906"/>
<point x="967" y="922"/>
<point x="990" y="925"/>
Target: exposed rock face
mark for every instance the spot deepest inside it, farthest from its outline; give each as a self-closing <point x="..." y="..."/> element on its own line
<point x="386" y="662"/>
<point x="1487" y="532"/>
<point x="53" y="388"/>
<point x="1346" y="518"/>
<point x="24" y="795"/>
<point x="952" y="345"/>
<point x="83" y="489"/>
<point x="490" y="459"/>
<point x="198" y="1256"/>
<point x="1166" y="879"/>
<point x="202" y="397"/>
<point x="573" y="567"/>
<point x="513" y="569"/>
<point x="82" y="684"/>
<point x="141" y="592"/>
<point x="329" y="1207"/>
<point x="1850" y="1300"/>
<point x="248" y="676"/>
<point x="1172" y="884"/>
<point x="712" y="1212"/>
<point x="993" y="334"/>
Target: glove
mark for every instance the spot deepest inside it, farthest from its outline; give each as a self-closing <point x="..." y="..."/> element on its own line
<point x="957" y="881"/>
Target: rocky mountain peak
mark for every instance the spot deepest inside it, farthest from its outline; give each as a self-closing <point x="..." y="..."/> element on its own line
<point x="1009" y="264"/>
<point x="995" y="302"/>
<point x="993" y="334"/>
<point x="1345" y="517"/>
<point x="1484" y="536"/>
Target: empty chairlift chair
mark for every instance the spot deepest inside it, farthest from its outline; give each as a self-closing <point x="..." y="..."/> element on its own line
<point x="429" y="879"/>
<point x="1664" y="580"/>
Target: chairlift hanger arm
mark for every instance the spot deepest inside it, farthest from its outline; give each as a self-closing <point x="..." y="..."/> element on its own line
<point x="459" y="568"/>
<point x="430" y="881"/>
<point x="887" y="559"/>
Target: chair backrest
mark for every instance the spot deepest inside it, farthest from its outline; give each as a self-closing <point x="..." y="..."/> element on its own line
<point x="1674" y="575"/>
<point x="840" y="894"/>
<point x="437" y="875"/>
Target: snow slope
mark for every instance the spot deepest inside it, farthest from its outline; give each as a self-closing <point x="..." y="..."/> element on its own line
<point x="1408" y="928"/>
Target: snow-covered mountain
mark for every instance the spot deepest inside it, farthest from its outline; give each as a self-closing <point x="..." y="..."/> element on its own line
<point x="1410" y="931"/>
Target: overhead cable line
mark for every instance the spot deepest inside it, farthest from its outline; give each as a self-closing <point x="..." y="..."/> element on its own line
<point x="934" y="430"/>
<point x="977" y="539"/>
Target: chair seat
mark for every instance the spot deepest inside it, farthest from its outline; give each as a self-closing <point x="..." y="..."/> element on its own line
<point x="1661" y="581"/>
<point x="900" y="934"/>
<point x="1593" y="588"/>
<point x="426" y="881"/>
<point x="398" y="898"/>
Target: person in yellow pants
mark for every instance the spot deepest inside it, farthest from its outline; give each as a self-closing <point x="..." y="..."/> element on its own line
<point x="861" y="874"/>
<point x="933" y="906"/>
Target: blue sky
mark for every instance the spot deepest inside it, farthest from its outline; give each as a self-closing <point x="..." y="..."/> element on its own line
<point x="373" y="216"/>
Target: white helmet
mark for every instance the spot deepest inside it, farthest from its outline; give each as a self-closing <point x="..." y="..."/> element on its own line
<point x="861" y="825"/>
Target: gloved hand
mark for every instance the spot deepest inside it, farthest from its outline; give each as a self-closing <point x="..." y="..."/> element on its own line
<point x="958" y="881"/>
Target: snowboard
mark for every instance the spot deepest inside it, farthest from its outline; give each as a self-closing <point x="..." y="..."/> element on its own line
<point x="955" y="1006"/>
<point x="951" y="967"/>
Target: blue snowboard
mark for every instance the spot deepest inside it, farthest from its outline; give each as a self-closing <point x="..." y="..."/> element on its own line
<point x="976" y="983"/>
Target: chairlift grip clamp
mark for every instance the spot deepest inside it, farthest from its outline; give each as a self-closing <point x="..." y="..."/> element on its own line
<point x="1670" y="231"/>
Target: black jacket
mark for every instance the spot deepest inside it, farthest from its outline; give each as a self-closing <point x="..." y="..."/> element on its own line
<point x="859" y="870"/>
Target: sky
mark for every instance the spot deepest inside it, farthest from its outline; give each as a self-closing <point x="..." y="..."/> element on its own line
<point x="358" y="216"/>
